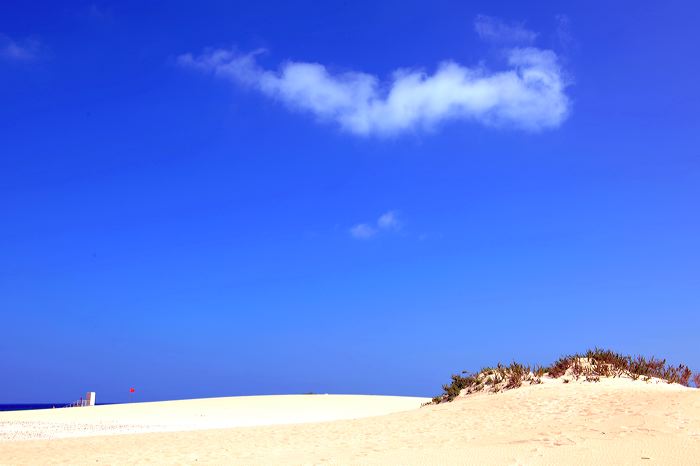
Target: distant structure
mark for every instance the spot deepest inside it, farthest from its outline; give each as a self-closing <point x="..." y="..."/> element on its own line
<point x="89" y="400"/>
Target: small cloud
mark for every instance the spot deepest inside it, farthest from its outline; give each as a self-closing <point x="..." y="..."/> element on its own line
<point x="386" y="222"/>
<point x="497" y="31"/>
<point x="26" y="50"/>
<point x="362" y="231"/>
<point x="389" y="221"/>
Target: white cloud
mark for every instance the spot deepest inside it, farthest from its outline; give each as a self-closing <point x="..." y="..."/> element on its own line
<point x="362" y="231"/>
<point x="26" y="50"/>
<point x="497" y="31"/>
<point x="529" y="94"/>
<point x="388" y="221"/>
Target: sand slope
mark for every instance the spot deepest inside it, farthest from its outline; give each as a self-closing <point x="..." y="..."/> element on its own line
<point x="197" y="414"/>
<point x="623" y="423"/>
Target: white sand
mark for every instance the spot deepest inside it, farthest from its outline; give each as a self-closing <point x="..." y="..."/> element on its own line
<point x="617" y="422"/>
<point x="197" y="414"/>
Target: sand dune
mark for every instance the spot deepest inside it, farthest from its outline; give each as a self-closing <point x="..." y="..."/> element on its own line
<point x="612" y="422"/>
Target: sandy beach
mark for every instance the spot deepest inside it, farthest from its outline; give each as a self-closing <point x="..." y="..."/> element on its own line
<point x="615" y="421"/>
<point x="196" y="414"/>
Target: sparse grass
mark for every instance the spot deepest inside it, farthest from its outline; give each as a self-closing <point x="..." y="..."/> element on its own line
<point x="560" y="366"/>
<point x="540" y="371"/>
<point x="515" y="374"/>
<point x="593" y="364"/>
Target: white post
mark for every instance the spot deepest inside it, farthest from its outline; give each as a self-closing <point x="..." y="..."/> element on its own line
<point x="90" y="399"/>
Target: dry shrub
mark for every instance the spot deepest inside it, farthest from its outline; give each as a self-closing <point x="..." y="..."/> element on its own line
<point x="560" y="366"/>
<point x="606" y="363"/>
<point x="459" y="383"/>
<point x="651" y="367"/>
<point x="516" y="373"/>
<point x="539" y="371"/>
<point x="685" y="373"/>
<point x="602" y="363"/>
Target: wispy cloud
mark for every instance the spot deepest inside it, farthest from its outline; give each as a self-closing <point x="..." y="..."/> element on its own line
<point x="498" y="31"/>
<point x="563" y="32"/>
<point x="528" y="94"/>
<point x="388" y="221"/>
<point x="26" y="50"/>
<point x="363" y="231"/>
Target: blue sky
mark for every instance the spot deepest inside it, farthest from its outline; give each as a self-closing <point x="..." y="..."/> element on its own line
<point x="250" y="198"/>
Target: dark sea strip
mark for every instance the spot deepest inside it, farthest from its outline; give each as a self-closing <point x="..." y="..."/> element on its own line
<point x="23" y="407"/>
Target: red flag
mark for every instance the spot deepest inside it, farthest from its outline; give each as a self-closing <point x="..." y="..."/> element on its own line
<point x="131" y="390"/>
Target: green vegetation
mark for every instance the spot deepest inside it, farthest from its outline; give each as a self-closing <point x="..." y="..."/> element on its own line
<point x="592" y="365"/>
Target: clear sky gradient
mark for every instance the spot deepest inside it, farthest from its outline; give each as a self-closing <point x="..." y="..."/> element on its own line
<point x="221" y="198"/>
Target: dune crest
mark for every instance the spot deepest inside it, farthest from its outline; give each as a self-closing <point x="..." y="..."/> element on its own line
<point x="593" y="366"/>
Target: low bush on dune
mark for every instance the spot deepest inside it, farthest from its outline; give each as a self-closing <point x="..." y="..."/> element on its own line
<point x="591" y="366"/>
<point x="490" y="379"/>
